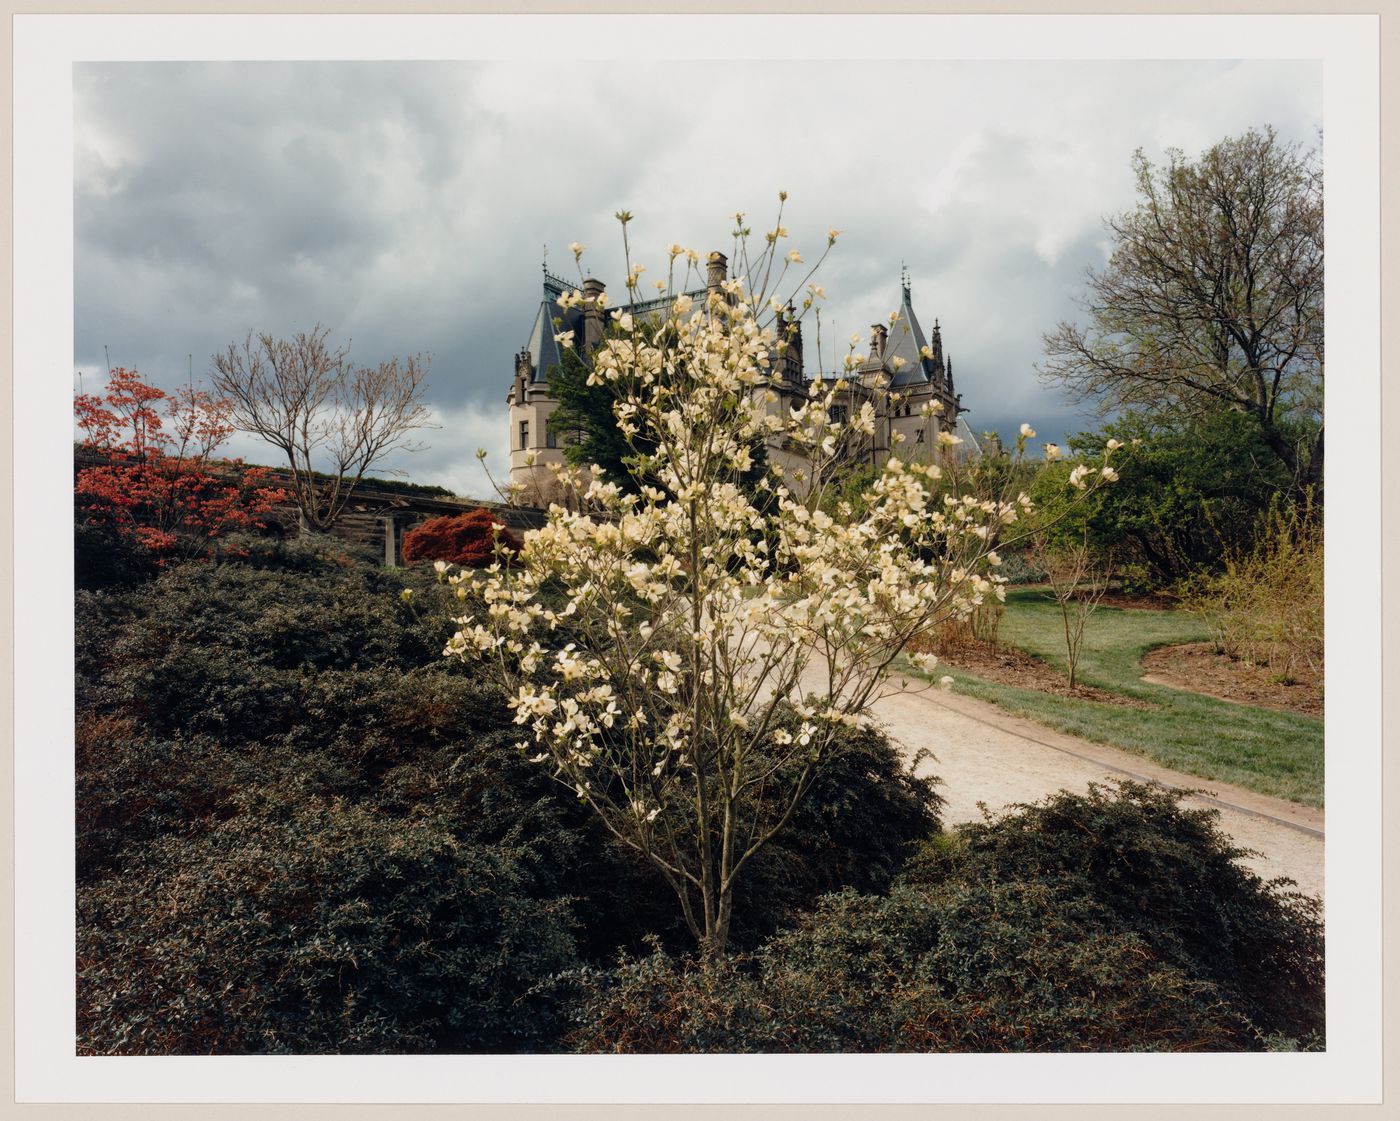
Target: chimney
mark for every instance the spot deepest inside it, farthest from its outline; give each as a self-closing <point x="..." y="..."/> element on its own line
<point x="794" y="347"/>
<point x="717" y="272"/>
<point x="878" y="331"/>
<point x="524" y="374"/>
<point x="592" y="313"/>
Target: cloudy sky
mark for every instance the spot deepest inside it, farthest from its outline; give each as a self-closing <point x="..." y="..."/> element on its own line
<point x="408" y="206"/>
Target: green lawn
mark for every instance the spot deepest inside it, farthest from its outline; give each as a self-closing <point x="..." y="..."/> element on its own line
<point x="1272" y="752"/>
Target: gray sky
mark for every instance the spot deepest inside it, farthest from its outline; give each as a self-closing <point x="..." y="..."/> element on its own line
<point x="406" y="206"/>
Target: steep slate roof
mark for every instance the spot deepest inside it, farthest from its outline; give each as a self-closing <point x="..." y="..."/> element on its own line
<point x="544" y="351"/>
<point x="906" y="340"/>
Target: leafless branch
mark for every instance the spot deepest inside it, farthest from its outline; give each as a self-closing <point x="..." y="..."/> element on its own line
<point x="307" y="399"/>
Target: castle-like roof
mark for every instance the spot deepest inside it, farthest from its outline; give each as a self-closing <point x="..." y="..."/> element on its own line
<point x="544" y="351"/>
<point x="906" y="340"/>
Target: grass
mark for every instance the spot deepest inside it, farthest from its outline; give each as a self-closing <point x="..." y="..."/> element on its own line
<point x="1275" y="753"/>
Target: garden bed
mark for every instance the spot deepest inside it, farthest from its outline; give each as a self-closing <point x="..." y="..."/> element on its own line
<point x="1008" y="665"/>
<point x="1198" y="668"/>
<point x="1269" y="750"/>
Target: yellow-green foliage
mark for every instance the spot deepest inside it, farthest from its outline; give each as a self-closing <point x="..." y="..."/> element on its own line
<point x="1266" y="607"/>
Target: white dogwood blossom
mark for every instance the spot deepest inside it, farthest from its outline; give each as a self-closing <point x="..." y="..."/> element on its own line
<point x="713" y="632"/>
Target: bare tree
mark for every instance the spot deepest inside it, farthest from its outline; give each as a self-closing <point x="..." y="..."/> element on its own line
<point x="1212" y="297"/>
<point x="306" y="398"/>
<point x="1078" y="581"/>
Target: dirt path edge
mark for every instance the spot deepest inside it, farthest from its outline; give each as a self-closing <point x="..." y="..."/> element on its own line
<point x="988" y="757"/>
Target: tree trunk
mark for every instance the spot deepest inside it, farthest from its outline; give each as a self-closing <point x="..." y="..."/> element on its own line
<point x="1312" y="477"/>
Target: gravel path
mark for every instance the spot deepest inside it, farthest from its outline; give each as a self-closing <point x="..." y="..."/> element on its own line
<point x="984" y="754"/>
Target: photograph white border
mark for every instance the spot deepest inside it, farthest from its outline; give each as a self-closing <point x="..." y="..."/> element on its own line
<point x="45" y="49"/>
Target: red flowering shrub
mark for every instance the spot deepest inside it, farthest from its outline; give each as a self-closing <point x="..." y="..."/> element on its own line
<point x="160" y="486"/>
<point x="464" y="539"/>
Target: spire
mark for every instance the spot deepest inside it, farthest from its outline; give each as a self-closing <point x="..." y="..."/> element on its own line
<point x="904" y="355"/>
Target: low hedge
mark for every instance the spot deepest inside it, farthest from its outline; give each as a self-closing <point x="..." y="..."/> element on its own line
<point x="1111" y="921"/>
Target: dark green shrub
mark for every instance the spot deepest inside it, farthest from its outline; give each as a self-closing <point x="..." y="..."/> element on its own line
<point x="314" y="925"/>
<point x="104" y="558"/>
<point x="987" y="967"/>
<point x="292" y="551"/>
<point x="221" y="710"/>
<point x="131" y="789"/>
<point x="1101" y="922"/>
<point x="226" y="649"/>
<point x="394" y="486"/>
<point x="1019" y="567"/>
<point x="1167" y="874"/>
<point x="860" y="821"/>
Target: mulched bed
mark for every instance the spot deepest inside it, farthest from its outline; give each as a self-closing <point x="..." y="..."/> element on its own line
<point x="1138" y="601"/>
<point x="1007" y="665"/>
<point x="1198" y="668"/>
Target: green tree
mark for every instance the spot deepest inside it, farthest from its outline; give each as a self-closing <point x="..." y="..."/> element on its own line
<point x="1212" y="298"/>
<point x="584" y="423"/>
<point x="1189" y="492"/>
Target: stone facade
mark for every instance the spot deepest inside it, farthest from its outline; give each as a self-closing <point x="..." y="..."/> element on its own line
<point x="903" y="373"/>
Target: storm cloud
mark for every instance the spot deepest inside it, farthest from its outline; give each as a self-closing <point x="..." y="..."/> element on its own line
<point x="409" y="206"/>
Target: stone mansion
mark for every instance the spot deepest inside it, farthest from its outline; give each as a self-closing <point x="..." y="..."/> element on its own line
<point x="904" y="371"/>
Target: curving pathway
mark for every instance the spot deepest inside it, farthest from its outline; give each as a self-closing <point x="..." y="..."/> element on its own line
<point x="984" y="754"/>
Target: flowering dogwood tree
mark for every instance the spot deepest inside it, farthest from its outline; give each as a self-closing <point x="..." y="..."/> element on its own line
<point x="719" y="637"/>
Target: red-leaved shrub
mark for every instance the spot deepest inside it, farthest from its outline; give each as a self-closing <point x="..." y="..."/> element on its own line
<point x="464" y="539"/>
<point x="161" y="485"/>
